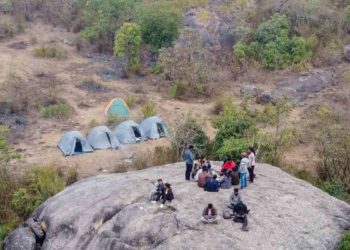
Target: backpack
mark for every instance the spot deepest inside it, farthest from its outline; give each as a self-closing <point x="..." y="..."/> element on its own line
<point x="227" y="215"/>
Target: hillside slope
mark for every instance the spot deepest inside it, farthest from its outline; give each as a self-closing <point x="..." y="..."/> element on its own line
<point x="112" y="212"/>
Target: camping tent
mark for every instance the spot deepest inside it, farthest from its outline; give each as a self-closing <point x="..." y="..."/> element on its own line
<point x="153" y="128"/>
<point x="128" y="132"/>
<point x="73" y="143"/>
<point x="117" y="107"/>
<point x="101" y="137"/>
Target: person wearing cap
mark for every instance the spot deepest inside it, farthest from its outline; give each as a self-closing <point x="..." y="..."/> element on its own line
<point x="188" y="158"/>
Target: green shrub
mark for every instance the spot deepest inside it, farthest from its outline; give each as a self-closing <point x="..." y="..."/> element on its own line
<point x="149" y="109"/>
<point x="163" y="155"/>
<point x="156" y="69"/>
<point x="270" y="30"/>
<point x="234" y="126"/>
<point x="131" y="101"/>
<point x="335" y="188"/>
<point x="60" y="110"/>
<point x="160" y="24"/>
<point x="274" y="46"/>
<point x="127" y="43"/>
<point x="345" y="243"/>
<point x="240" y="50"/>
<point x="271" y="57"/>
<point x="37" y="185"/>
<point x="93" y="123"/>
<point x="232" y="147"/>
<point x="178" y="89"/>
<point x="72" y="176"/>
<point x="101" y="20"/>
<point x="50" y="52"/>
<point x="189" y="131"/>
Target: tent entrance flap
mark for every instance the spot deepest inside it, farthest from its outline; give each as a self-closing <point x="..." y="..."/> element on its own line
<point x="136" y="132"/>
<point x="78" y="147"/>
<point x="160" y="129"/>
<point x="109" y="139"/>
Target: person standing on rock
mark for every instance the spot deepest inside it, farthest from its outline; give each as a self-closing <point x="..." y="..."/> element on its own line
<point x="251" y="166"/>
<point x="188" y="158"/>
<point x="243" y="170"/>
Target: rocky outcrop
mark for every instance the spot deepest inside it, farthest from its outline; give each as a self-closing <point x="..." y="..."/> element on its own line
<point x="112" y="212"/>
<point x="216" y="31"/>
<point x="250" y="90"/>
<point x="304" y="86"/>
<point x="346" y="52"/>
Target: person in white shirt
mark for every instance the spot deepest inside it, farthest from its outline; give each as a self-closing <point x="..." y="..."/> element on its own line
<point x="243" y="170"/>
<point x="251" y="166"/>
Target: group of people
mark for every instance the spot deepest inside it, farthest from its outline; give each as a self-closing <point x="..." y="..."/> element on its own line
<point x="233" y="174"/>
<point x="162" y="193"/>
<point x="201" y="171"/>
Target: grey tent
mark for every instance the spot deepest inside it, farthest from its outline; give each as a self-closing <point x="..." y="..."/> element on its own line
<point x="73" y="143"/>
<point x="128" y="132"/>
<point x="101" y="137"/>
<point x="153" y="128"/>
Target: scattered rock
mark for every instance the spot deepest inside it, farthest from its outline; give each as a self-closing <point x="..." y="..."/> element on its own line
<point x="22" y="238"/>
<point x="265" y="97"/>
<point x="104" y="212"/>
<point x="346" y="51"/>
<point x="18" y="45"/>
<point x="36" y="228"/>
<point x="112" y="75"/>
<point x="93" y="87"/>
<point x="250" y="90"/>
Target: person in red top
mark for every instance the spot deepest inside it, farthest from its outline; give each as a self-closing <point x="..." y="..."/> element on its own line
<point x="228" y="165"/>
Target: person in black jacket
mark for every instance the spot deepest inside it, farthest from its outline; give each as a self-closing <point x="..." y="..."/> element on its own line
<point x="167" y="195"/>
<point x="240" y="213"/>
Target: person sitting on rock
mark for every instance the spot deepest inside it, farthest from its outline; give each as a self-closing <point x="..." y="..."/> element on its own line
<point x="212" y="185"/>
<point x="196" y="168"/>
<point x="158" y="192"/>
<point x="234" y="177"/>
<point x="207" y="165"/>
<point x="228" y="165"/>
<point x="226" y="182"/>
<point x="240" y="213"/>
<point x="202" y="178"/>
<point x="167" y="195"/>
<point x="235" y="198"/>
<point x="209" y="214"/>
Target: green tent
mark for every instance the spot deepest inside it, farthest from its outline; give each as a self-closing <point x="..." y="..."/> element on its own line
<point x="117" y="107"/>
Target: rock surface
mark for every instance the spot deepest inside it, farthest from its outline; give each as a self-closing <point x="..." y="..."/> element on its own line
<point x="22" y="238"/>
<point x="346" y="52"/>
<point x="305" y="85"/>
<point x="112" y="212"/>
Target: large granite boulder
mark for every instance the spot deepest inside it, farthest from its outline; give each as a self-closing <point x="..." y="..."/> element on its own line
<point x="113" y="212"/>
<point x="304" y="86"/>
<point x="22" y="238"/>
